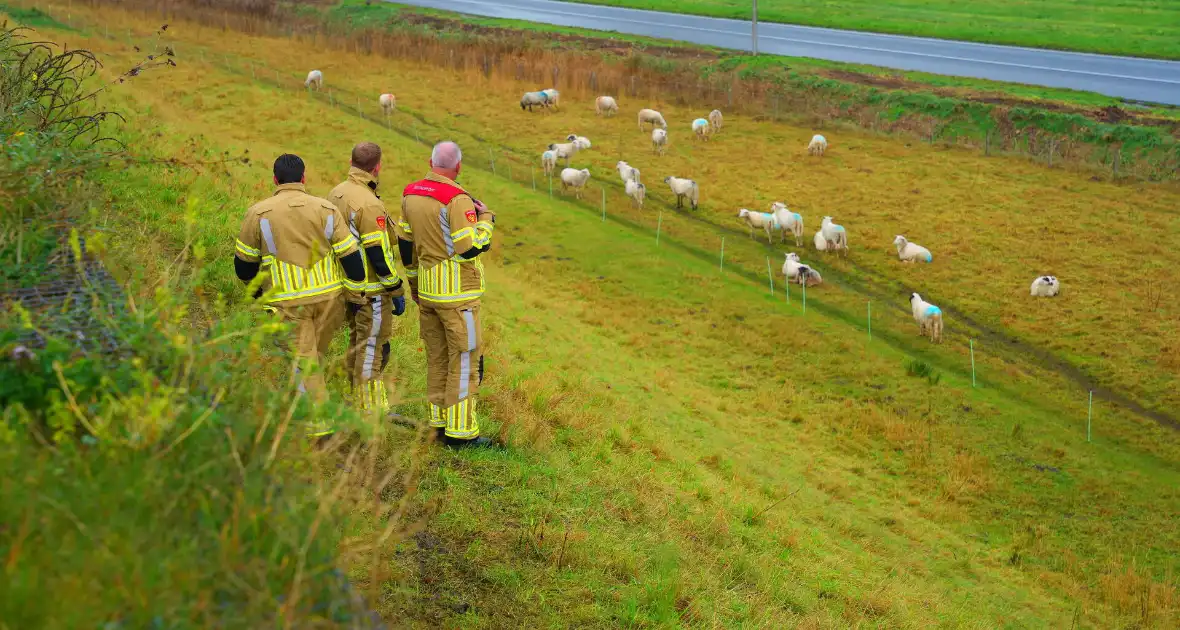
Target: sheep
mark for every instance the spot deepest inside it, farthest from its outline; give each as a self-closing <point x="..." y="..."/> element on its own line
<point x="928" y="316"/>
<point x="757" y="220"/>
<point x="316" y="78"/>
<point x="684" y="188"/>
<point x="627" y="172"/>
<point x="821" y="244"/>
<point x="549" y="162"/>
<point x="800" y="273"/>
<point x="817" y="146"/>
<point x="787" y="221"/>
<point x="911" y="252"/>
<point x="565" y="150"/>
<point x="659" y="140"/>
<point x="701" y="128"/>
<point x="636" y="191"/>
<point x="653" y="117"/>
<point x="1045" y="286"/>
<point x="582" y="141"/>
<point x="715" y="120"/>
<point x="551" y="97"/>
<point x="605" y="106"/>
<point x="573" y="178"/>
<point x="533" y="99"/>
<point x="388" y="103"/>
<point x="835" y="235"/>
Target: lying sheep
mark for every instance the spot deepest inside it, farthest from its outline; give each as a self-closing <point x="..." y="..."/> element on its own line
<point x="388" y="103"/>
<point x="787" y="221"/>
<point x="651" y="116"/>
<point x="701" y="128"/>
<point x="817" y="146"/>
<point x="821" y="244"/>
<point x="582" y="141"/>
<point x="573" y="178"/>
<point x="928" y="316"/>
<point x="715" y="120"/>
<point x="533" y="99"/>
<point x="316" y="78"/>
<point x="760" y="220"/>
<point x="1045" y="286"/>
<point x="800" y="273"/>
<point x="911" y="252"/>
<point x="549" y="162"/>
<point x="659" y="140"/>
<point x="683" y="188"/>
<point x="565" y="151"/>
<point x="627" y="172"/>
<point x="636" y="191"/>
<point x="835" y="235"/>
<point x="605" y="106"/>
<point x="551" y="97"/>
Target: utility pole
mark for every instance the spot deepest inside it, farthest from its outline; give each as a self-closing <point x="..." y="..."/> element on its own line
<point x="754" y="28"/>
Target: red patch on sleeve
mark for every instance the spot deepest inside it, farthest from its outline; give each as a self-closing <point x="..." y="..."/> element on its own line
<point x="381" y="222"/>
<point x="471" y="216"/>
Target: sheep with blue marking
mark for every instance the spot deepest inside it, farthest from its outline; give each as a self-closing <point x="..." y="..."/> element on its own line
<point x="817" y="146"/>
<point x="1045" y="286"/>
<point x="551" y="97"/>
<point x="835" y="236"/>
<point x="762" y="220"/>
<point x="911" y="252"/>
<point x="534" y="99"/>
<point x="702" y="129"/>
<point x="928" y="316"/>
<point x="549" y="162"/>
<point x="787" y="221"/>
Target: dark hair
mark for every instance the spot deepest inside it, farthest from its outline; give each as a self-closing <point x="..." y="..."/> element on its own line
<point x="366" y="156"/>
<point x="288" y="169"/>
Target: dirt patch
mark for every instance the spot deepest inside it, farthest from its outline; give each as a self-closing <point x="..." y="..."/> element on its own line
<point x="887" y="82"/>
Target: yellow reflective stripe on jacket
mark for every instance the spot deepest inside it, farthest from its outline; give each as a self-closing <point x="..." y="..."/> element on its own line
<point x="405" y="226"/>
<point x="380" y="237"/>
<point x="372" y="237"/>
<point x="246" y="250"/>
<point x="483" y="234"/>
<point x="444" y="281"/>
<point x="291" y="281"/>
<point x="344" y="245"/>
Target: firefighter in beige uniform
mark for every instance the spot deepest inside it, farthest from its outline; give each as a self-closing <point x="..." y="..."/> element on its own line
<point x="296" y="239"/>
<point x="370" y="316"/>
<point x="441" y="234"/>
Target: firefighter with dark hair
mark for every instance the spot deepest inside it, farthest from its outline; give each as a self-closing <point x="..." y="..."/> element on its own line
<point x="441" y="234"/>
<point x="370" y="315"/>
<point x="295" y="241"/>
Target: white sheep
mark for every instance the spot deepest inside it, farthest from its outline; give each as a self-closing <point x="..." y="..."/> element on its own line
<point x="582" y="141"/>
<point x="388" y="103"/>
<point x="787" y="221"/>
<point x="835" y="235"/>
<point x="761" y="220"/>
<point x="565" y="151"/>
<point x="928" y="316"/>
<point x="627" y="172"/>
<point x="659" y="140"/>
<point x="821" y="244"/>
<point x="551" y="97"/>
<point x="701" y="128"/>
<point x="651" y="116"/>
<point x="549" y="162"/>
<point x="636" y="191"/>
<point x="605" y="106"/>
<point x="534" y="99"/>
<point x="715" y="120"/>
<point x="573" y="178"/>
<point x="911" y="252"/>
<point x="316" y="78"/>
<point x="817" y="146"/>
<point x="683" y="188"/>
<point x="1045" y="286"/>
<point x="800" y="273"/>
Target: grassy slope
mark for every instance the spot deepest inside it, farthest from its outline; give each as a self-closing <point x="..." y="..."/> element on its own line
<point x="644" y="399"/>
<point x="1142" y="28"/>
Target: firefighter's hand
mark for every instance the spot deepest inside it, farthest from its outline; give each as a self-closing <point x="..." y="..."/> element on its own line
<point x="481" y="210"/>
<point x="399" y="305"/>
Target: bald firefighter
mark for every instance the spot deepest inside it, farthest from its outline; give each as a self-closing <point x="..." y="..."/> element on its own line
<point x="370" y="316"/>
<point x="441" y="234"/>
<point x="296" y="239"/>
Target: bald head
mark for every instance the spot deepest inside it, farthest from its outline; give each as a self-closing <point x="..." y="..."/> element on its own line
<point x="446" y="158"/>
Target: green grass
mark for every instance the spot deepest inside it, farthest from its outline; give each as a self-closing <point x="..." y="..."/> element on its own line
<point x="1142" y="28"/>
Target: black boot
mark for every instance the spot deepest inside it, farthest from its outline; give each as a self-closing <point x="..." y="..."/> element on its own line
<point x="479" y="442"/>
<point x="440" y="434"/>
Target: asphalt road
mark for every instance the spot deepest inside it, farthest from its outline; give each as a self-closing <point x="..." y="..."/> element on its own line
<point x="1127" y="77"/>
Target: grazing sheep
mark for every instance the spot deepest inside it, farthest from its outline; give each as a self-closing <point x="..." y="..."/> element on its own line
<point x="835" y="235"/>
<point x="533" y="99"/>
<point x="573" y="178"/>
<point x="1045" y="286"/>
<point x="636" y="191"/>
<point x="787" y="221"/>
<point x="582" y="141"/>
<point x="928" y="316"/>
<point x="800" y="273"/>
<point x="715" y="120"/>
<point x="761" y="220"/>
<point x="316" y="78"/>
<point x="627" y="172"/>
<point x="911" y="252"/>
<point x="821" y="244"/>
<point x="549" y="162"/>
<point x="701" y="128"/>
<point x="651" y="116"/>
<point x="684" y="188"/>
<point x="388" y="103"/>
<point x="565" y="150"/>
<point x="817" y="146"/>
<point x="605" y="106"/>
<point x="659" y="140"/>
<point x="551" y="97"/>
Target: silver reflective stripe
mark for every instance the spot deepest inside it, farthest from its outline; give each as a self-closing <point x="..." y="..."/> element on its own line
<point x="352" y="227"/>
<point x="330" y="227"/>
<point x="465" y="358"/>
<point x="267" y="236"/>
<point x="445" y="223"/>
<point x="371" y="342"/>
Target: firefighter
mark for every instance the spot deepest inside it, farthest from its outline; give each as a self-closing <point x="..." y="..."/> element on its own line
<point x="296" y="239"/>
<point x="370" y="316"/>
<point x="441" y="233"/>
